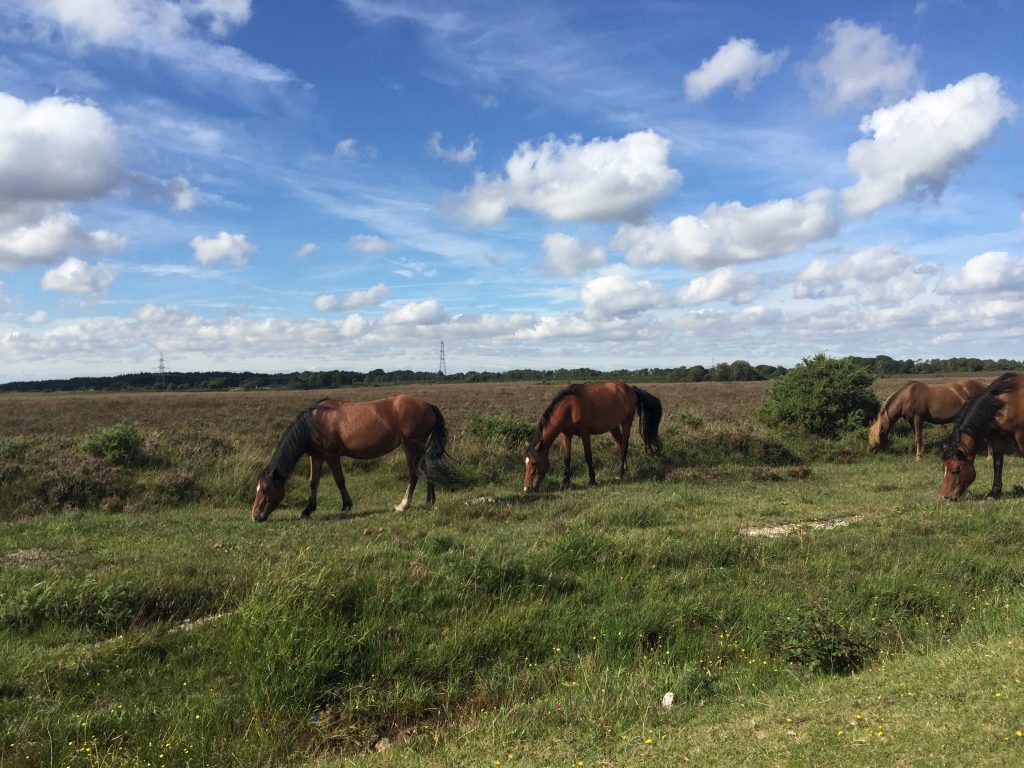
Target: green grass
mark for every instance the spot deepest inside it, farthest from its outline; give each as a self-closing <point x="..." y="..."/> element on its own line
<point x="169" y="629"/>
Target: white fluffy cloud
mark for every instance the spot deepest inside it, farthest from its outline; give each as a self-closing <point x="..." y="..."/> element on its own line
<point x="76" y="276"/>
<point x="369" y="244"/>
<point x="917" y="144"/>
<point x="352" y="300"/>
<point x="723" y="283"/>
<point x="232" y="248"/>
<point x="566" y="255"/>
<point x="307" y="249"/>
<point x="429" y="312"/>
<point x="863" y="63"/>
<point x="50" y="239"/>
<point x="879" y="275"/>
<point x="600" y="180"/>
<point x="616" y="295"/>
<point x="461" y="155"/>
<point x="737" y="61"/>
<point x="730" y="233"/>
<point x="992" y="272"/>
<point x="55" y="150"/>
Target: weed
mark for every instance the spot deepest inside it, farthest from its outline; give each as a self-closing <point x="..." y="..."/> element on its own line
<point x="119" y="445"/>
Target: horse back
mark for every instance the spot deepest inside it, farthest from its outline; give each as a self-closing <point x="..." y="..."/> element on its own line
<point x="370" y="429"/>
<point x="603" y="406"/>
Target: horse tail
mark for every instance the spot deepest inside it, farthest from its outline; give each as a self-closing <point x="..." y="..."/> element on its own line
<point x="648" y="407"/>
<point x="435" y="463"/>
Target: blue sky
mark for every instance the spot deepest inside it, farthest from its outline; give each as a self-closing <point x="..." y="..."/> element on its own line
<point x="270" y="186"/>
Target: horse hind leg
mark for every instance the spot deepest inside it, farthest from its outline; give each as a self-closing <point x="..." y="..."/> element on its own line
<point x="623" y="446"/>
<point x="412" y="458"/>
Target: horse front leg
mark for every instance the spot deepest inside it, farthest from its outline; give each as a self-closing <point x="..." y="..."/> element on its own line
<point x="316" y="466"/>
<point x="918" y="423"/>
<point x="566" y="467"/>
<point x="339" y="479"/>
<point x="997" y="471"/>
<point x="589" y="456"/>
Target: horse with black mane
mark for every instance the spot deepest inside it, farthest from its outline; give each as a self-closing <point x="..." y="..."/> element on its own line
<point x="996" y="417"/>
<point x="591" y="409"/>
<point x="330" y="429"/>
<point x="918" y="402"/>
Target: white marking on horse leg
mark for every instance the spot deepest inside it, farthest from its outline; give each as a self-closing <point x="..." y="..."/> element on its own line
<point x="407" y="501"/>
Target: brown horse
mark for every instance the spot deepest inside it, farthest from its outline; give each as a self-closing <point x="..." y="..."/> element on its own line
<point x="331" y="429"/>
<point x="591" y="409"/>
<point x="996" y="416"/>
<point x="918" y="402"/>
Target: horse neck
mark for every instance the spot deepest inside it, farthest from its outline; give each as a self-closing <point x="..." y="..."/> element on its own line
<point x="969" y="444"/>
<point x="293" y="444"/>
<point x="549" y="430"/>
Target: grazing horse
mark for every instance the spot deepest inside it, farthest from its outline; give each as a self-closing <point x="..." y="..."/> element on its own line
<point x="995" y="416"/>
<point x="331" y="429"/>
<point x="918" y="402"/>
<point x="591" y="409"/>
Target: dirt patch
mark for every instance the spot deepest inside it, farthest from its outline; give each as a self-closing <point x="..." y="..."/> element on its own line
<point x="799" y="529"/>
<point x="33" y="556"/>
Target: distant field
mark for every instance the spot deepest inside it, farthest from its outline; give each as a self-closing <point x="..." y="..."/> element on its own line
<point x="145" y="620"/>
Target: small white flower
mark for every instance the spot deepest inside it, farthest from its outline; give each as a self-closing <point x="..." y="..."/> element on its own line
<point x="668" y="700"/>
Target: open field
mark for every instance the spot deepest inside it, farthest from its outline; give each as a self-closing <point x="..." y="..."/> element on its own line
<point x="145" y="620"/>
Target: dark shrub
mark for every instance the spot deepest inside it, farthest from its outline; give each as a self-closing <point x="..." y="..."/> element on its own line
<point x="822" y="396"/>
<point x="119" y="445"/>
<point x="503" y="430"/>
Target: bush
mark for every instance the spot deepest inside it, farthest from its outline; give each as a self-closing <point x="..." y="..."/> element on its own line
<point x="822" y="396"/>
<point x="119" y="445"/>
<point x="502" y="429"/>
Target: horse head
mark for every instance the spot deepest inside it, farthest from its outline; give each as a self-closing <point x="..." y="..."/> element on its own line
<point x="269" y="493"/>
<point x="957" y="472"/>
<point x="537" y="465"/>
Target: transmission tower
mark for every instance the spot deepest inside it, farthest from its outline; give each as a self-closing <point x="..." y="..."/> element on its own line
<point x="442" y="369"/>
<point x="163" y="371"/>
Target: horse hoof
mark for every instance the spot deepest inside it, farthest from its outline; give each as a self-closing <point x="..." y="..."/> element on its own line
<point x="402" y="508"/>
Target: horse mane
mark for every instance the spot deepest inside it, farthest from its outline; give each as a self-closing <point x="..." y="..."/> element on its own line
<point x="295" y="441"/>
<point x="545" y="419"/>
<point x="979" y="413"/>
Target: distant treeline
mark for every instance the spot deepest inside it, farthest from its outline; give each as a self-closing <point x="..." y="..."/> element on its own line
<point x="739" y="370"/>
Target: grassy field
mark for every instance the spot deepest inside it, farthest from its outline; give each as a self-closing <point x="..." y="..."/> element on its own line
<point x="145" y="620"/>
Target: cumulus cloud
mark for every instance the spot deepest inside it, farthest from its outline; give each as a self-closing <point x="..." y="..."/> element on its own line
<point x="723" y="283"/>
<point x="461" y="155"/>
<point x="352" y="300"/>
<point x="429" y="312"/>
<point x="566" y="255"/>
<point x="601" y="180"/>
<point x="76" y="276"/>
<point x="369" y="244"/>
<point x="879" y="275"/>
<point x="232" y="248"/>
<point x="616" y="295"/>
<point x="183" y="195"/>
<point x="56" y="150"/>
<point x="862" y="64"/>
<point x="737" y="61"/>
<point x="50" y="239"/>
<point x="991" y="272"/>
<point x="307" y="249"/>
<point x="346" y="148"/>
<point x="53" y="153"/>
<point x="730" y="233"/>
<point x="917" y="144"/>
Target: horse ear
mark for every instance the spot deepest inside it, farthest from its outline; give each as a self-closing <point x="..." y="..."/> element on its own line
<point x="275" y="474"/>
<point x="960" y="455"/>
